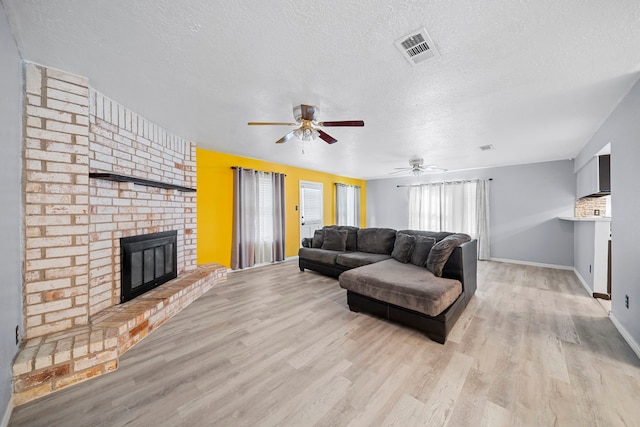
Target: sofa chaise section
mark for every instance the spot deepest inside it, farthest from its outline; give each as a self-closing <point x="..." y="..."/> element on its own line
<point x="412" y="295"/>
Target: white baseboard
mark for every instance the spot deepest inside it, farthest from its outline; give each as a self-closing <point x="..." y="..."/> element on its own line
<point x="533" y="264"/>
<point x="584" y="282"/>
<point x="7" y="413"/>
<point x="626" y="335"/>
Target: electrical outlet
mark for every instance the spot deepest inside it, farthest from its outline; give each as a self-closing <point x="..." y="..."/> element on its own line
<point x="626" y="301"/>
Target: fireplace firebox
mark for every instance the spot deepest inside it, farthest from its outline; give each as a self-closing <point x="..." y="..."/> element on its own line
<point x="147" y="261"/>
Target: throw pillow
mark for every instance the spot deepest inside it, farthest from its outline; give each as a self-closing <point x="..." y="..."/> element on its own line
<point x="421" y="250"/>
<point x="318" y="238"/>
<point x="441" y="251"/>
<point x="402" y="247"/>
<point x="334" y="240"/>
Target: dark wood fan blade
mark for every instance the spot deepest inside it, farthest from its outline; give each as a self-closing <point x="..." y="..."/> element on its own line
<point x="271" y="124"/>
<point x="326" y="137"/>
<point x="343" y="123"/>
<point x="286" y="137"/>
<point x="308" y="112"/>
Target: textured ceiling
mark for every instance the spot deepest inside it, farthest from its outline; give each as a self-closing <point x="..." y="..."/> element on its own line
<point x="533" y="78"/>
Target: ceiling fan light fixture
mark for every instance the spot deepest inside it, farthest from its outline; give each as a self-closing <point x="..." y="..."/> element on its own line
<point x="306" y="134"/>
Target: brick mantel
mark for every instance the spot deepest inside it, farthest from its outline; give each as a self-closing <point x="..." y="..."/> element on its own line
<point x="73" y="224"/>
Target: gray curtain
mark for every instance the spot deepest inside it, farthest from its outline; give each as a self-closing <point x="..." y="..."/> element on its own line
<point x="249" y="237"/>
<point x="279" y="222"/>
<point x="244" y="208"/>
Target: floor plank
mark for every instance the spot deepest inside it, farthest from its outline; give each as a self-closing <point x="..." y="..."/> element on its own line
<point x="276" y="346"/>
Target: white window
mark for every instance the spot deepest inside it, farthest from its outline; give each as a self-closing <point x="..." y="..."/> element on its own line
<point x="347" y="205"/>
<point x="459" y="207"/>
<point x="264" y="218"/>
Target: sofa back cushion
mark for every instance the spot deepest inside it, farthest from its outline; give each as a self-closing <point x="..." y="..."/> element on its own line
<point x="421" y="250"/>
<point x="334" y="240"/>
<point x="376" y="240"/>
<point x="352" y="235"/>
<point x="318" y="239"/>
<point x="438" y="235"/>
<point x="439" y="254"/>
<point x="402" y="247"/>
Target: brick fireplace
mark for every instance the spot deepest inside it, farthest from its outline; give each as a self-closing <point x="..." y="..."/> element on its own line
<point x="73" y="326"/>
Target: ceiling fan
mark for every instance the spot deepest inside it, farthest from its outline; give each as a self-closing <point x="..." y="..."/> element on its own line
<point x="308" y="124"/>
<point x="417" y="167"/>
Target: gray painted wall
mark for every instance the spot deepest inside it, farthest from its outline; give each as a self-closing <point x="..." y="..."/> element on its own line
<point x="622" y="129"/>
<point x="525" y="201"/>
<point x="584" y="251"/>
<point x="11" y="202"/>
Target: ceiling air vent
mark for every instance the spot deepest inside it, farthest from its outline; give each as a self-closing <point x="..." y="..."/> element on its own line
<point x="417" y="46"/>
<point x="486" y="147"/>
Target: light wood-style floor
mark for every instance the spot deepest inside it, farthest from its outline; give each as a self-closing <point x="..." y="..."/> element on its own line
<point x="274" y="346"/>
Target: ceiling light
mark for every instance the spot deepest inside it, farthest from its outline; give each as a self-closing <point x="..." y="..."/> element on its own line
<point x="306" y="133"/>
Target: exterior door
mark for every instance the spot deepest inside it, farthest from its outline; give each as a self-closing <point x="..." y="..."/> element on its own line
<point x="311" y="218"/>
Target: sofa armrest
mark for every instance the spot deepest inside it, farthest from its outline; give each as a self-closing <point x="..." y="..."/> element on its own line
<point x="463" y="266"/>
<point x="306" y="242"/>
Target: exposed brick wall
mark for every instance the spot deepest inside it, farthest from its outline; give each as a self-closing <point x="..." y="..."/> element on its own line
<point x="122" y="142"/>
<point x="73" y="224"/>
<point x="56" y="195"/>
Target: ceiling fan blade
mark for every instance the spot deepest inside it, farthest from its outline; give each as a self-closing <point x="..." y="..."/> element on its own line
<point x="343" y="123"/>
<point x="308" y="112"/>
<point x="286" y="137"/>
<point x="326" y="137"/>
<point x="432" y="168"/>
<point x="400" y="171"/>
<point x="271" y="123"/>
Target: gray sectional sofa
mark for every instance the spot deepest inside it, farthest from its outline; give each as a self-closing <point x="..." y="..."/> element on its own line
<point x="418" y="278"/>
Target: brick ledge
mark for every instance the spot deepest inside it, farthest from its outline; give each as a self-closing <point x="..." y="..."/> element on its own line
<point x="52" y="362"/>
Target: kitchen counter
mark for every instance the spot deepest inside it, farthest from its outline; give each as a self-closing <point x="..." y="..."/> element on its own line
<point x="586" y="218"/>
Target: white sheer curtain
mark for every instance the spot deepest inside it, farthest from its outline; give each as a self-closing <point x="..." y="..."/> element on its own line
<point x="264" y="218"/>
<point x="461" y="207"/>
<point x="347" y="205"/>
<point x="258" y="218"/>
<point x="482" y="197"/>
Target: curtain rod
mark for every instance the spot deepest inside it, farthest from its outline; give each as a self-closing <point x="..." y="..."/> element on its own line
<point x="440" y="182"/>
<point x="255" y="170"/>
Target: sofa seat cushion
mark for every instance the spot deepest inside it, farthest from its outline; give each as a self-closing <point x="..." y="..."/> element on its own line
<point x="319" y="255"/>
<point x="358" y="259"/>
<point x="405" y="285"/>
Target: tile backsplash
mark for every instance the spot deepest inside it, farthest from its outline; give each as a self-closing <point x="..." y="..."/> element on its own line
<point x="591" y="206"/>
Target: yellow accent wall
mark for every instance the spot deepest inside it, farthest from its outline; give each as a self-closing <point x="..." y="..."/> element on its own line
<point x="214" y="201"/>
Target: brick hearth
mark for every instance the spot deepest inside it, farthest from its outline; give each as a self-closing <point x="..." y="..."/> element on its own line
<point x="50" y="363"/>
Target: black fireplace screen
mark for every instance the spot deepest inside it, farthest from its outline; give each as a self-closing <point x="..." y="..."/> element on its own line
<point x="147" y="261"/>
